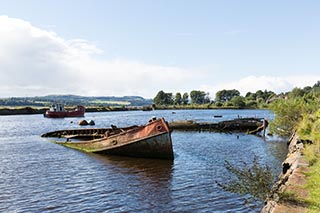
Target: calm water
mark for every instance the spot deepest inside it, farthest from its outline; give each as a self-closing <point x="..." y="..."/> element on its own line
<point x="39" y="176"/>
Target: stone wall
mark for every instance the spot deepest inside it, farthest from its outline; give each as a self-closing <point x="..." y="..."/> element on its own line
<point x="290" y="180"/>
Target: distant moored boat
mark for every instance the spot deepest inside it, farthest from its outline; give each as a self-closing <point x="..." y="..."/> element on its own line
<point x="58" y="111"/>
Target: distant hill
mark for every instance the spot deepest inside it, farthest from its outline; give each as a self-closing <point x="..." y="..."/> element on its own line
<point x="72" y="100"/>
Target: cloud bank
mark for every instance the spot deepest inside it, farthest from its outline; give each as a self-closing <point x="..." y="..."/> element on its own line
<point x="35" y="62"/>
<point x="270" y="83"/>
<point x="38" y="62"/>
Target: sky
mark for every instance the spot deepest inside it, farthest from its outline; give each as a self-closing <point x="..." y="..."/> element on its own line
<point x="139" y="47"/>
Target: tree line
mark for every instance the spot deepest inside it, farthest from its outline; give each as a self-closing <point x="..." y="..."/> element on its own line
<point x="223" y="98"/>
<point x="196" y="97"/>
<point x="231" y="98"/>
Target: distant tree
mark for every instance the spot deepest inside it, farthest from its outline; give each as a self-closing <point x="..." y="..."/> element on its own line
<point x="159" y="98"/>
<point x="260" y="96"/>
<point x="185" y="98"/>
<point x="163" y="98"/>
<point x="238" y="101"/>
<point x="316" y="84"/>
<point x="199" y="97"/>
<point x="250" y="96"/>
<point x="178" y="98"/>
<point x="207" y="98"/>
<point x="251" y="104"/>
<point x="296" y="92"/>
<point x="269" y="95"/>
<point x="226" y="95"/>
<point x="307" y="89"/>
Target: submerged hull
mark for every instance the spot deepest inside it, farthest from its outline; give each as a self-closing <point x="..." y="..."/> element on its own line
<point x="152" y="140"/>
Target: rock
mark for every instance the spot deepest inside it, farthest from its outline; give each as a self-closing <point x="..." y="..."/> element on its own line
<point x="91" y="122"/>
<point x="83" y="123"/>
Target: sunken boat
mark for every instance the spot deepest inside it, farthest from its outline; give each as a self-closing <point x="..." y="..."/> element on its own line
<point x="152" y="140"/>
<point x="249" y="125"/>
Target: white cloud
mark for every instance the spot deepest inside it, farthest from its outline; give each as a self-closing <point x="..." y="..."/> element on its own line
<point x="271" y="83"/>
<point x="34" y="61"/>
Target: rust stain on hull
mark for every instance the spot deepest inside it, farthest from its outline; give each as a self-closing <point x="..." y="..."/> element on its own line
<point x="152" y="140"/>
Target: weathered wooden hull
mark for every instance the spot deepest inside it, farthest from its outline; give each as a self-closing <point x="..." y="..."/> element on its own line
<point x="249" y="125"/>
<point x="152" y="140"/>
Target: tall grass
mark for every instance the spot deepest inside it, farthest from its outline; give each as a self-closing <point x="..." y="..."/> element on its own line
<point x="309" y="129"/>
<point x="302" y="114"/>
<point x="313" y="187"/>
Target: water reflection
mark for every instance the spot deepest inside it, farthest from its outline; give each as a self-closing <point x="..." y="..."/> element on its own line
<point x="153" y="169"/>
<point x="39" y="176"/>
<point x="150" y="179"/>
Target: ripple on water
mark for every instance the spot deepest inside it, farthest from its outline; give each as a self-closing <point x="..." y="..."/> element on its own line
<point x="39" y="176"/>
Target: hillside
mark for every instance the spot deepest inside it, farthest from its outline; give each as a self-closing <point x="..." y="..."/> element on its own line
<point x="71" y="100"/>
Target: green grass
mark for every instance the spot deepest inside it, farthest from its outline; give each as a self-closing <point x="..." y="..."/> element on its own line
<point x="309" y="128"/>
<point x="313" y="181"/>
<point x="99" y="102"/>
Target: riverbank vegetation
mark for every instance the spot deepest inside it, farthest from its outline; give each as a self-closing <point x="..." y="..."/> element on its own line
<point x="297" y="111"/>
<point x="254" y="180"/>
<point x="301" y="112"/>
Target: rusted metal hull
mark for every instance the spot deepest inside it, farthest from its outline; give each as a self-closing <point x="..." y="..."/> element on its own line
<point x="152" y="140"/>
<point x="153" y="147"/>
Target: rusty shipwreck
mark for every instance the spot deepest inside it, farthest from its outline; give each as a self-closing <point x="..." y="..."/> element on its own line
<point x="152" y="140"/>
<point x="249" y="125"/>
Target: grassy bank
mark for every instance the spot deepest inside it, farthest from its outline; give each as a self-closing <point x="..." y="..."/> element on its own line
<point x="302" y="114"/>
<point x="309" y="129"/>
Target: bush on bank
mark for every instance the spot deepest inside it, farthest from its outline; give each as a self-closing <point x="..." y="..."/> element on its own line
<point x="302" y="114"/>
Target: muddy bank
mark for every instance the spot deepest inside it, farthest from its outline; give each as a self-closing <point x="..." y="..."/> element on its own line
<point x="22" y="111"/>
<point x="290" y="181"/>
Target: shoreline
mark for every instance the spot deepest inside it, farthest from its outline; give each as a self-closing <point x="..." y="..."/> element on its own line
<point x="28" y="110"/>
<point x="286" y="192"/>
<point x="33" y="110"/>
<point x="22" y="111"/>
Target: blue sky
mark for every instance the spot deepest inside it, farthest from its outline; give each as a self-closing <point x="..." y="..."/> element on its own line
<point x="140" y="47"/>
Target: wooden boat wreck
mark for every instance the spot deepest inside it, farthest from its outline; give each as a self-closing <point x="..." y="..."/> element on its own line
<point x="152" y="140"/>
<point x="249" y="125"/>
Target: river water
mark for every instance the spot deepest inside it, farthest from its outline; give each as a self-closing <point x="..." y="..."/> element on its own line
<point x="39" y="176"/>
